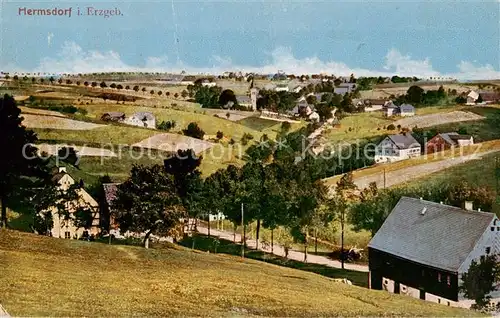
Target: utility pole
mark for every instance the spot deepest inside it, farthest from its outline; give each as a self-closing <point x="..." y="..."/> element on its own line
<point x="384" y="178"/>
<point x="243" y="236"/>
<point x="342" y="238"/>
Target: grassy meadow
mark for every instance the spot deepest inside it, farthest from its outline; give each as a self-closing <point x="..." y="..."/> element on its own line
<point x="43" y="276"/>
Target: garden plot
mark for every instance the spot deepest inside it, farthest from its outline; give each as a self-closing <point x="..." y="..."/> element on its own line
<point x="42" y="121"/>
<point x="437" y="119"/>
<point x="173" y="142"/>
<point x="82" y="151"/>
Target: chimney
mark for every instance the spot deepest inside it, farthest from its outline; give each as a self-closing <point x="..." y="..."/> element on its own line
<point x="62" y="169"/>
<point x="468" y="206"/>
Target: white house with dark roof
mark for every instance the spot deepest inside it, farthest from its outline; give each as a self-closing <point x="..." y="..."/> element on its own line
<point x="397" y="147"/>
<point x="423" y="248"/>
<point x="142" y="119"/>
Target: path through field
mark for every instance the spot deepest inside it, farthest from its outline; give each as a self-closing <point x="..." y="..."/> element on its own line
<point x="280" y="251"/>
<point x="403" y="175"/>
<point x="437" y="119"/>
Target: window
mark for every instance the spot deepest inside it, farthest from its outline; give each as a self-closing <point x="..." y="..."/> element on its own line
<point x="492" y="228"/>
<point x="67" y="235"/>
<point x="439" y="277"/>
<point x="488" y="250"/>
<point x="439" y="300"/>
<point x="448" y="280"/>
<point x="498" y="228"/>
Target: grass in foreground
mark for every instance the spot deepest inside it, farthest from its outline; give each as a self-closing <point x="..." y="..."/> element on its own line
<point x="43" y="276"/>
<point x="216" y="245"/>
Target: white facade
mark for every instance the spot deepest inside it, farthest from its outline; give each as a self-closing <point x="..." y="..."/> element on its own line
<point x="146" y="120"/>
<point x="387" y="151"/>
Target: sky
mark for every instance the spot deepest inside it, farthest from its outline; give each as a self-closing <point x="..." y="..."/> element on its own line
<point x="459" y="39"/>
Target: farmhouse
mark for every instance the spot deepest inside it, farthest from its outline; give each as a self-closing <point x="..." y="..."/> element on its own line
<point x="472" y="97"/>
<point x="142" y="119"/>
<point x="282" y="88"/>
<point x="64" y="227"/>
<point x="444" y="141"/>
<point x="113" y="116"/>
<point x="344" y="88"/>
<point x="397" y="147"/>
<point x="490" y="97"/>
<point x="423" y="248"/>
<point x="372" y="105"/>
<point x="406" y="110"/>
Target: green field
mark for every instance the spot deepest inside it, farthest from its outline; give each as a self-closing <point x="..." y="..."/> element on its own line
<point x="44" y="276"/>
<point x="359" y="126"/>
<point x="481" y="130"/>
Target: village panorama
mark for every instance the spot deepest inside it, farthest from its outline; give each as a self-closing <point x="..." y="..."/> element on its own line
<point x="292" y="188"/>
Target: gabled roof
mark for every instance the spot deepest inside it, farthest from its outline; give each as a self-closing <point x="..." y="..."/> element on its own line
<point x="430" y="233"/>
<point x="406" y="108"/>
<point x="144" y="115"/>
<point x="404" y="141"/>
<point x="452" y="137"/>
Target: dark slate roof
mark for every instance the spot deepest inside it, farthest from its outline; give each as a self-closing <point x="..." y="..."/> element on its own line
<point x="404" y="141"/>
<point x="110" y="190"/>
<point x="442" y="237"/>
<point x="407" y="108"/>
<point x="58" y="176"/>
<point x="452" y="137"/>
<point x="460" y="137"/>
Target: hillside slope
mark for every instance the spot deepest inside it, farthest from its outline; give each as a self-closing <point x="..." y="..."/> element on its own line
<point x="54" y="277"/>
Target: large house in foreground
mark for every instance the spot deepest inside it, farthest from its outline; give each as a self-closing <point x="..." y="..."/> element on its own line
<point x="397" y="147"/>
<point x="65" y="228"/>
<point x="423" y="248"/>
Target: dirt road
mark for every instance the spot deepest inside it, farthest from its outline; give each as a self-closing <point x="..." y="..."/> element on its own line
<point x="406" y="174"/>
<point x="280" y="251"/>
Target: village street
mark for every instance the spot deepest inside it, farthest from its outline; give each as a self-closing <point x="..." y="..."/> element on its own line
<point x="280" y="251"/>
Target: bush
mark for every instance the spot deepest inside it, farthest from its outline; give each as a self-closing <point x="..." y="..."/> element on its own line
<point x="462" y="131"/>
<point x="193" y="130"/>
<point x="219" y="135"/>
<point x="399" y="127"/>
<point x="246" y="138"/>
<point x="166" y="125"/>
<point x="285" y="126"/>
<point x="391" y="127"/>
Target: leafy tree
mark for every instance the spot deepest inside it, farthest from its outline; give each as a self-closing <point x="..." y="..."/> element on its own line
<point x="227" y="96"/>
<point x="112" y="85"/>
<point x="69" y="155"/>
<point x="166" y="125"/>
<point x="480" y="280"/>
<point x="127" y="87"/>
<point x="86" y="83"/>
<point x="152" y="92"/>
<point x="94" y="84"/>
<point x="136" y="88"/>
<point x="160" y="93"/>
<point x="460" y="100"/>
<point x="176" y="95"/>
<point x="219" y="135"/>
<point x="324" y="111"/>
<point x="286" y="126"/>
<point x="60" y="81"/>
<point x="148" y="202"/>
<point x="16" y="142"/>
<point x="184" y="93"/>
<point x="193" y="130"/>
<point x="415" y="94"/>
<point x="69" y="82"/>
<point x="207" y="97"/>
<point x="103" y="85"/>
<point x="119" y="86"/>
<point x="143" y="89"/>
<point x="51" y="79"/>
<point x="344" y="197"/>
